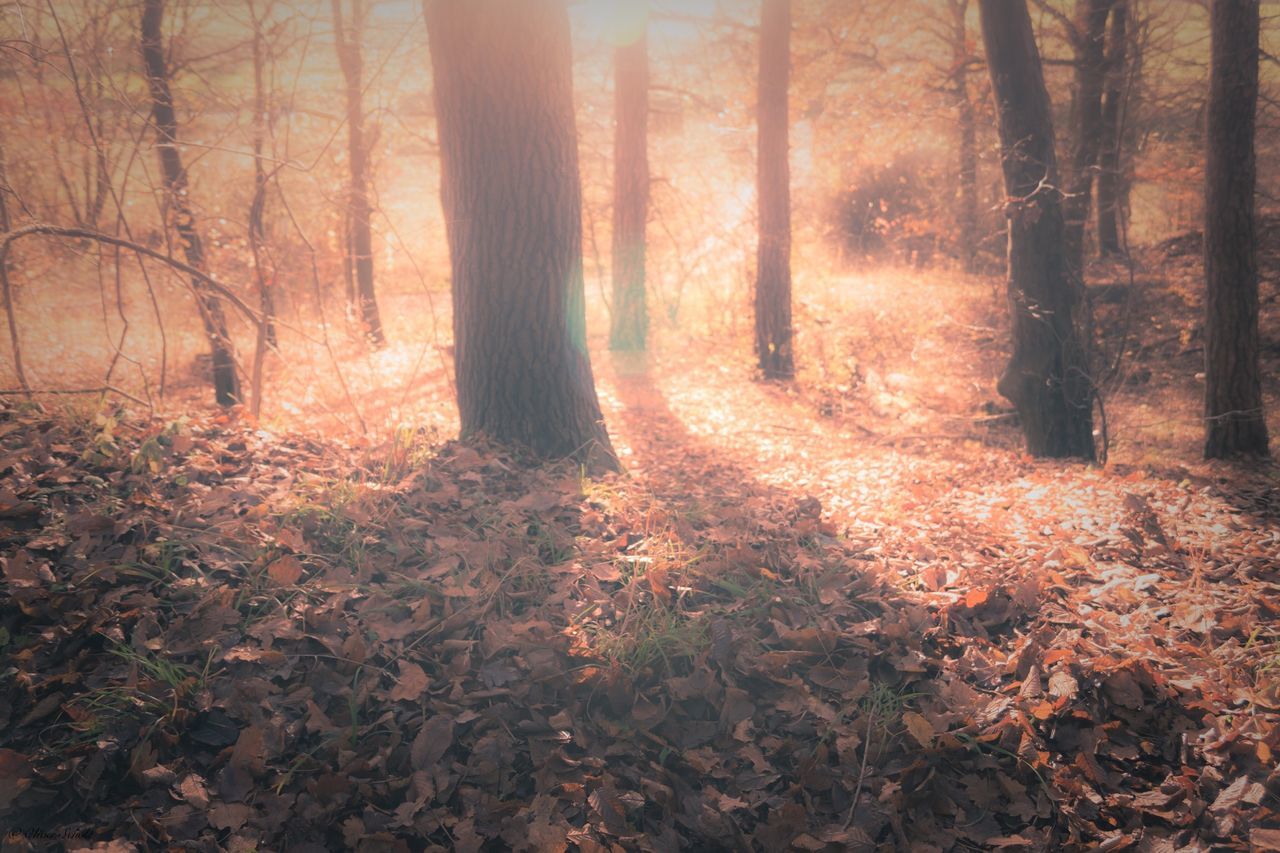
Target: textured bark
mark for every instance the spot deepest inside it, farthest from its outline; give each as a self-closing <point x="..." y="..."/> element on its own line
<point x="1046" y="378"/>
<point x="226" y="382"/>
<point x="773" y="175"/>
<point x="1234" y="417"/>
<point x="511" y="193"/>
<point x="1113" y="119"/>
<point x="966" y="123"/>
<point x="630" y="322"/>
<point x="1089" y="42"/>
<point x="359" y="210"/>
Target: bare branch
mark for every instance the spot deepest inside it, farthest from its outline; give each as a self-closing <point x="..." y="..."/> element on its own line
<point x="58" y="392"/>
<point x="7" y="239"/>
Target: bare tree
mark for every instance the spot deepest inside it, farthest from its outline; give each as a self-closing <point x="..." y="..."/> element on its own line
<point x="630" y="321"/>
<point x="6" y="290"/>
<point x="1112" y="159"/>
<point x="348" y="34"/>
<point x="1046" y="378"/>
<point x="967" y="126"/>
<point x="1234" y="417"/>
<point x="257" y="231"/>
<point x="773" y="175"/>
<point x="1087" y="35"/>
<point x="181" y="213"/>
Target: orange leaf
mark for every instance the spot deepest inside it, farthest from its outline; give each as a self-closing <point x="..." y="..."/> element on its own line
<point x="1043" y="711"/>
<point x="976" y="597"/>
<point x="657" y="577"/>
<point x="412" y="684"/>
<point x="286" y="570"/>
<point x="920" y="728"/>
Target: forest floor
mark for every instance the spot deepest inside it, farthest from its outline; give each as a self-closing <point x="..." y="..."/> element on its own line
<point x="845" y="613"/>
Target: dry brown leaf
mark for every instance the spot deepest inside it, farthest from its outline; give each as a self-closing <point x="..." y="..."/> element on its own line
<point x="286" y="570"/>
<point x="411" y="685"/>
<point x="921" y="729"/>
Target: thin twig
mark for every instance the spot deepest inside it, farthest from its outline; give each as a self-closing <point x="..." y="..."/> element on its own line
<point x="7" y="239"/>
<point x="57" y="392"/>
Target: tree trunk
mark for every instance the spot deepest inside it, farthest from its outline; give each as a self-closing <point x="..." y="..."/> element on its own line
<point x="257" y="231"/>
<point x="6" y="291"/>
<point x="359" y="210"/>
<point x="1234" y="418"/>
<point x="773" y="174"/>
<point x="1046" y="378"/>
<point x="967" y="124"/>
<point x="1113" y="118"/>
<point x="630" y="321"/>
<point x="1089" y="40"/>
<point x="226" y="382"/>
<point x="512" y="199"/>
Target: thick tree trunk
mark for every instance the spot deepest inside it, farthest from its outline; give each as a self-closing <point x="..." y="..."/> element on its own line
<point x="630" y="321"/>
<point x="967" y="125"/>
<point x="1046" y="378"/>
<point x="1234" y="418"/>
<point x="773" y="174"/>
<point x="1090" y="71"/>
<point x="1113" y="119"/>
<point x="348" y="40"/>
<point x="226" y="382"/>
<point x="512" y="200"/>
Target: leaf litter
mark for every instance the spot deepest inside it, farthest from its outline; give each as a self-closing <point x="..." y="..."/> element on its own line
<point x="218" y="638"/>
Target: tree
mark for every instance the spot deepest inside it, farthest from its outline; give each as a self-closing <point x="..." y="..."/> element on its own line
<point x="511" y="194"/>
<point x="630" y="321"/>
<point x="347" y="37"/>
<point x="226" y="381"/>
<point x="773" y="176"/>
<point x="1234" y="418"/>
<point x="1088" y="40"/>
<point x="1046" y="378"/>
<point x="968" y="128"/>
<point x="257" y="230"/>
<point x="1111" y="161"/>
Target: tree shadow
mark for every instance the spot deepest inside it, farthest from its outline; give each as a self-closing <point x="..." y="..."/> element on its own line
<point x="650" y="429"/>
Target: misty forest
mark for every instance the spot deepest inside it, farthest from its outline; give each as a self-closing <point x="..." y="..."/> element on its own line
<point x="639" y="425"/>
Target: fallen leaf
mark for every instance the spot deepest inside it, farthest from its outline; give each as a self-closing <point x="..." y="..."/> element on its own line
<point x="919" y="727"/>
<point x="413" y="682"/>
<point x="286" y="570"/>
<point x="431" y="743"/>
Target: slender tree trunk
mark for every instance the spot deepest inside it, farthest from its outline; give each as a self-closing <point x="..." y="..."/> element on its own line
<point x="226" y="382"/>
<point x="1090" y="72"/>
<point x="968" y="126"/>
<point x="1046" y="378"/>
<point x="360" y="211"/>
<point x="1234" y="418"/>
<point x="1113" y="117"/>
<point x="101" y="170"/>
<point x="512" y="199"/>
<point x="630" y="321"/>
<point x="6" y="290"/>
<point x="257" y="231"/>
<point x="773" y="173"/>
